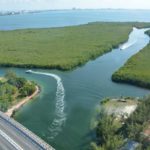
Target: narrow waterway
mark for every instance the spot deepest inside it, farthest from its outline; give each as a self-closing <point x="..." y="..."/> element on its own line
<point x="76" y="93"/>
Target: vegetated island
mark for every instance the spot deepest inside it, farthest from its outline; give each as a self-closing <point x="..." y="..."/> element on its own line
<point x="137" y="69"/>
<point x="123" y="124"/>
<point x="61" y="48"/>
<point x="14" y="92"/>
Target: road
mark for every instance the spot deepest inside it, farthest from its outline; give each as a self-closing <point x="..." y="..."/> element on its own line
<point x="13" y="137"/>
<point x="4" y="145"/>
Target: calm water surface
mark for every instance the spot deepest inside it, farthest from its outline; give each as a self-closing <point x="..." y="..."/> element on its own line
<point x="70" y="17"/>
<point x="77" y="94"/>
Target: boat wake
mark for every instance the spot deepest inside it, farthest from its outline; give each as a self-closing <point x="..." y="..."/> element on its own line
<point x="60" y="117"/>
<point x="127" y="45"/>
<point x="131" y="41"/>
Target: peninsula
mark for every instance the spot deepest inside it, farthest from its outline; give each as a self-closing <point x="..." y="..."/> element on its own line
<point x="15" y="92"/>
<point x="122" y="121"/>
<point x="62" y="48"/>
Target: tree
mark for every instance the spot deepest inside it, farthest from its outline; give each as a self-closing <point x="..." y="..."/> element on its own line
<point x="107" y="132"/>
<point x="27" y="90"/>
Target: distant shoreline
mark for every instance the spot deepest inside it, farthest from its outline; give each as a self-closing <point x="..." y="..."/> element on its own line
<point x="17" y="106"/>
<point x="18" y="12"/>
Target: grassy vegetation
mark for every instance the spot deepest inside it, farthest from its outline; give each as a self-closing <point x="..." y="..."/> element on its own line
<point x="137" y="69"/>
<point x="62" y="48"/>
<point x="111" y="134"/>
<point x="12" y="89"/>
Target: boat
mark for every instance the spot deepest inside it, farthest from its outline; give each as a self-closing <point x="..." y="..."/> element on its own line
<point x="127" y="45"/>
<point x="28" y="71"/>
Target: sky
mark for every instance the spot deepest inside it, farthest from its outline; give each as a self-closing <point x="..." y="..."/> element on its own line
<point x="68" y="4"/>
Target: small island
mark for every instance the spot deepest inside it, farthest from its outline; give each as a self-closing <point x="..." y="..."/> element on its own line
<point x="15" y="92"/>
<point x="123" y="124"/>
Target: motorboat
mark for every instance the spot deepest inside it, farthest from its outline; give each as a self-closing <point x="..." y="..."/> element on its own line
<point x="28" y="71"/>
<point x="127" y="45"/>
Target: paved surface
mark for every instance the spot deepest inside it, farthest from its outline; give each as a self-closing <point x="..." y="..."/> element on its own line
<point x="14" y="136"/>
<point x="4" y="145"/>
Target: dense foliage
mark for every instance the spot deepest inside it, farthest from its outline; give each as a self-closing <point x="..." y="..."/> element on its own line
<point x="12" y="88"/>
<point x="111" y="135"/>
<point x="138" y="121"/>
<point x="107" y="136"/>
<point x="137" y="69"/>
<point x="61" y="48"/>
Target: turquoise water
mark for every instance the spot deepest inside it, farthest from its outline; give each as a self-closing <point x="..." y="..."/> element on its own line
<point x="84" y="87"/>
<point x="70" y="17"/>
<point x="63" y="111"/>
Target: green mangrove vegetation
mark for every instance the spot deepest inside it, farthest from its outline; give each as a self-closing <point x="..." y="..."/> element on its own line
<point x="62" y="48"/>
<point x="137" y="69"/>
<point x="13" y="89"/>
<point x="113" y="133"/>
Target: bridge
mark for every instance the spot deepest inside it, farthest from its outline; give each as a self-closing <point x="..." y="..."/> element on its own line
<point x="14" y="136"/>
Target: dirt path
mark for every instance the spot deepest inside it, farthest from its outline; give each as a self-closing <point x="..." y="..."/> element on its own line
<point x="22" y="102"/>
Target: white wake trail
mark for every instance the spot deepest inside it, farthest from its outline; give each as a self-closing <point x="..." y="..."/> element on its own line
<point x="60" y="117"/>
<point x="127" y="45"/>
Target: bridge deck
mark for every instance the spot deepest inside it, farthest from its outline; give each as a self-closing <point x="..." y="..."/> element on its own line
<point x="14" y="136"/>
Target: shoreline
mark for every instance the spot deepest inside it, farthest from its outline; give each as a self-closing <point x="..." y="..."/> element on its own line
<point x="17" y="106"/>
<point x="68" y="61"/>
<point x="130" y="81"/>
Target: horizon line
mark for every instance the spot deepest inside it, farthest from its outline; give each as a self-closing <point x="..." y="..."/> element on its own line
<point x="75" y="8"/>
